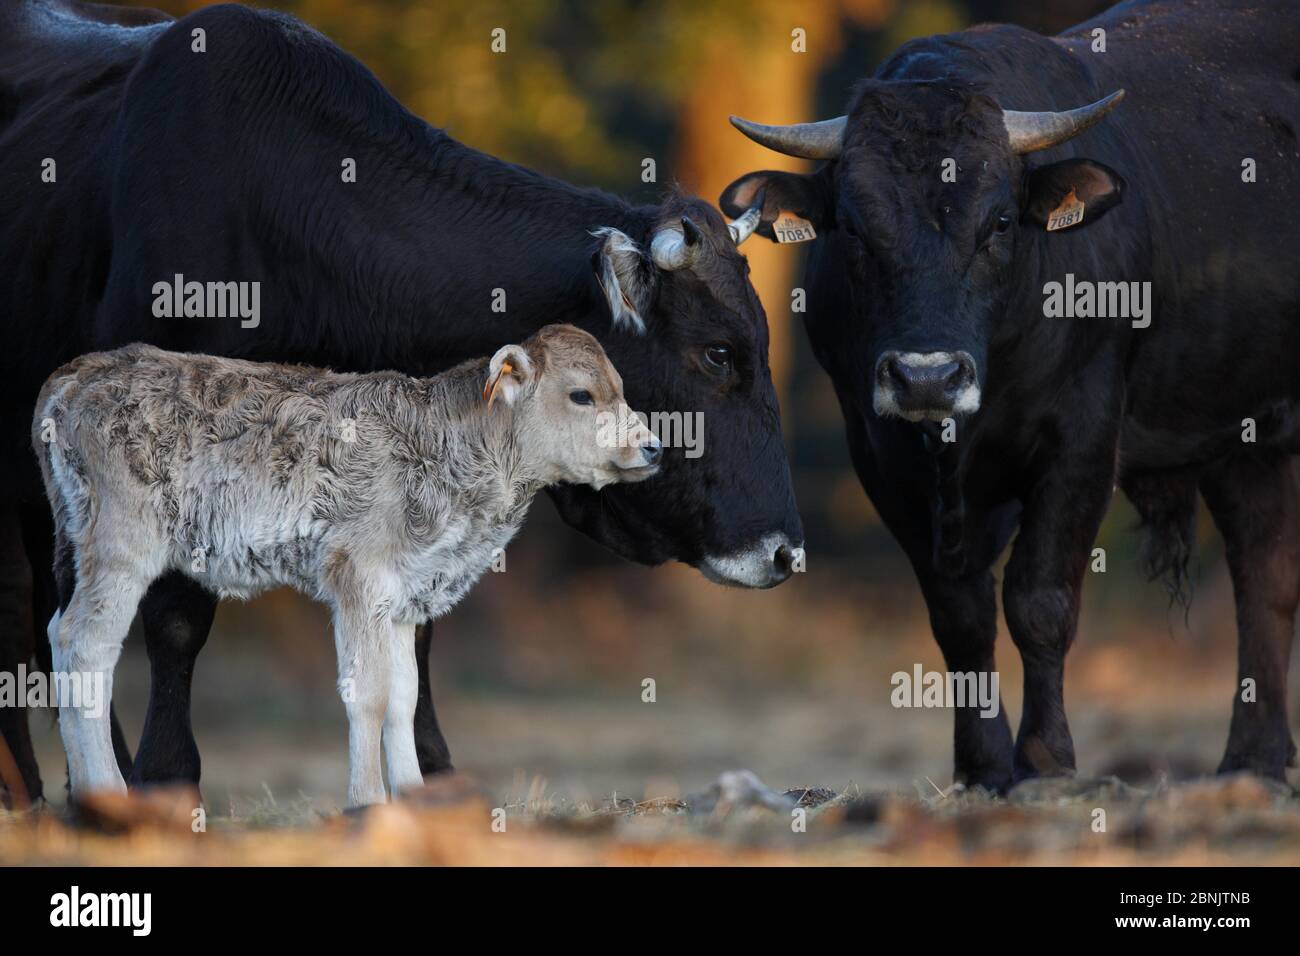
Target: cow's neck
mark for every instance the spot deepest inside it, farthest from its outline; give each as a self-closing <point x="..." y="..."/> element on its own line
<point x="454" y="256"/>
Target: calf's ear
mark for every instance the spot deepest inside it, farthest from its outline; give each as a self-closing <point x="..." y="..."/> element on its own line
<point x="509" y="373"/>
<point x="1071" y="194"/>
<point x="626" y="277"/>
<point x="805" y="196"/>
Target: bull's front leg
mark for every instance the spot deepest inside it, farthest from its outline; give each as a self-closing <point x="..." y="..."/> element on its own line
<point x="1044" y="581"/>
<point x="963" y="616"/>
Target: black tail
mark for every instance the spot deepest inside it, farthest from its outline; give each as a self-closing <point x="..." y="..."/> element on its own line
<point x="1166" y="503"/>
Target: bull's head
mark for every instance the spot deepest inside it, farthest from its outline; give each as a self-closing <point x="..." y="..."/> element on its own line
<point x="690" y="339"/>
<point x="924" y="203"/>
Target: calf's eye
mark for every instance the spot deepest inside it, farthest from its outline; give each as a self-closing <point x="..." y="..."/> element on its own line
<point x="1003" y="224"/>
<point x="581" y="397"/>
<point x="718" y="357"/>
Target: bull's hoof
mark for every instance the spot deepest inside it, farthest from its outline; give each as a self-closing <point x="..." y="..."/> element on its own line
<point x="996" y="780"/>
<point x="1269" y="767"/>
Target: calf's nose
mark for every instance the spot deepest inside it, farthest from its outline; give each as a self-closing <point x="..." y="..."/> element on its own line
<point x="653" y="453"/>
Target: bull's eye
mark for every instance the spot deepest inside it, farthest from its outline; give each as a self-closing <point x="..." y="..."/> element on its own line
<point x="581" y="397"/>
<point x="718" y="357"/>
<point x="1003" y="224"/>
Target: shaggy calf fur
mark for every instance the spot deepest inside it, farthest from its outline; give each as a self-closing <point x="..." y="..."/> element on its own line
<point x="383" y="495"/>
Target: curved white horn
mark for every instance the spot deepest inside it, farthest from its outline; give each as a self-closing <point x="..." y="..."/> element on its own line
<point x="1029" y="132"/>
<point x="821" y="140"/>
<point x="673" y="249"/>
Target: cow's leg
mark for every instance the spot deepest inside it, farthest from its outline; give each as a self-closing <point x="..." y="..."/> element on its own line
<point x="963" y="609"/>
<point x="963" y="616"/>
<point x="1254" y="504"/>
<point x="399" y="720"/>
<point x="16" y="647"/>
<point x="177" y="614"/>
<point x="365" y="650"/>
<point x="1044" y="581"/>
<point x="430" y="746"/>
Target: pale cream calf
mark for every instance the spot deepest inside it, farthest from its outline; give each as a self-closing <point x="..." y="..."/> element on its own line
<point x="383" y="495"/>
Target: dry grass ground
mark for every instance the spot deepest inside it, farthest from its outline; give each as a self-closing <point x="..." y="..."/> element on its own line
<point x="792" y="685"/>
<point x="1238" y="820"/>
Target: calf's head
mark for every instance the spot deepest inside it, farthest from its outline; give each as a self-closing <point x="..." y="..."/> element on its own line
<point x="690" y="337"/>
<point x="569" y="410"/>
<point x="922" y="209"/>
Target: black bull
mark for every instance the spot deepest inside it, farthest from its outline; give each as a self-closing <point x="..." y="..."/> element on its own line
<point x="228" y="165"/>
<point x="930" y="299"/>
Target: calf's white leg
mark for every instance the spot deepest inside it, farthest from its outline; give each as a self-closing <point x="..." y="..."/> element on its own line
<point x="364" y="651"/>
<point x="399" y="721"/>
<point x="86" y="648"/>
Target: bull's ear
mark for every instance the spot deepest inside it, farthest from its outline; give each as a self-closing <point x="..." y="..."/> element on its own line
<point x="509" y="373"/>
<point x="1071" y="194"/>
<point x="626" y="276"/>
<point x="804" y="195"/>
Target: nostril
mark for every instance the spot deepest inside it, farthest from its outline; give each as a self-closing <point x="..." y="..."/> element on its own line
<point x="949" y="375"/>
<point x="965" y="373"/>
<point x="652" y="453"/>
<point x="890" y="373"/>
<point x="784" y="559"/>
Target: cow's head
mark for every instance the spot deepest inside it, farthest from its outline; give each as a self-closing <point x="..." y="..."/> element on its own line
<point x="926" y="201"/>
<point x="687" y="332"/>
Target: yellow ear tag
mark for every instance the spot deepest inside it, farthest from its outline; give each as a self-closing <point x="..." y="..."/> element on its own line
<point x="491" y="388"/>
<point x="1068" y="213"/>
<point x="791" y="228"/>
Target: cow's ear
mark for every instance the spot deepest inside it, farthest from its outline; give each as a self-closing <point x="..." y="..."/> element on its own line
<point x="509" y="372"/>
<point x="626" y="277"/>
<point x="806" y="196"/>
<point x="1071" y="194"/>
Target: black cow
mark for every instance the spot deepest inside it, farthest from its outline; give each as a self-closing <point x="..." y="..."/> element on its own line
<point x="227" y="165"/>
<point x="931" y="300"/>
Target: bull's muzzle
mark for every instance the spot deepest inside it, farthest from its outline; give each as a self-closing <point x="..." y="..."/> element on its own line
<point x="920" y="386"/>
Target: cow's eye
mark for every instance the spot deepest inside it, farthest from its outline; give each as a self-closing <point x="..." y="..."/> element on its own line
<point x="718" y="357"/>
<point x="581" y="397"/>
<point x="1003" y="224"/>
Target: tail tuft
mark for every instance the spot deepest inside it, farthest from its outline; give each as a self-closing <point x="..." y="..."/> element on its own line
<point x="1166" y="503"/>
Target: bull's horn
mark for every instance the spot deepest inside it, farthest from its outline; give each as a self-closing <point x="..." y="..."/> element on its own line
<point x="743" y="226"/>
<point x="672" y="249"/>
<point x="1029" y="132"/>
<point x="822" y="140"/>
